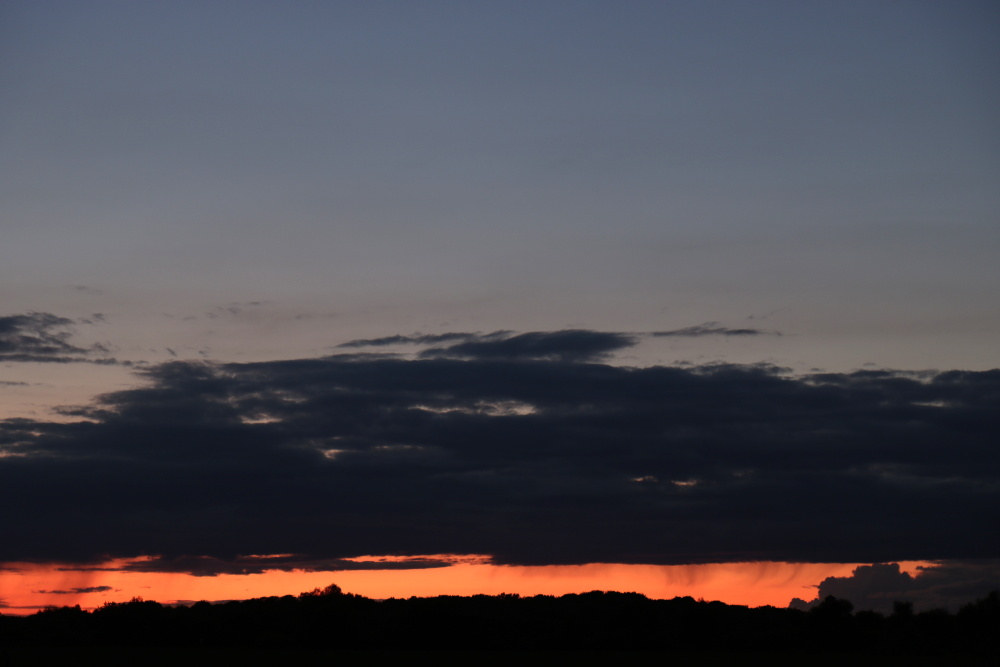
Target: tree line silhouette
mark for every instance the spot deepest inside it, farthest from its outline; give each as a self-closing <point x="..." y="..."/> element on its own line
<point x="606" y="621"/>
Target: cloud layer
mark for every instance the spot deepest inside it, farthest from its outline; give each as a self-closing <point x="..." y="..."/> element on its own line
<point x="523" y="448"/>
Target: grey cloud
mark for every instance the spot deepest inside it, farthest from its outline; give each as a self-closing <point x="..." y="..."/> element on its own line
<point x="44" y="337"/>
<point x="423" y="339"/>
<point x="208" y="566"/>
<point x="36" y="337"/>
<point x="568" y="345"/>
<point x="78" y="591"/>
<point x="574" y="345"/>
<point x="710" y="329"/>
<point x="513" y="456"/>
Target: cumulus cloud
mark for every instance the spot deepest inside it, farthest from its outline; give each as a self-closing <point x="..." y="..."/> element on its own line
<point x="878" y="586"/>
<point x="507" y="454"/>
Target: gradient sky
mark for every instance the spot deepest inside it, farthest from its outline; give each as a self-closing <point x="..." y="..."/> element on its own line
<point x="455" y="273"/>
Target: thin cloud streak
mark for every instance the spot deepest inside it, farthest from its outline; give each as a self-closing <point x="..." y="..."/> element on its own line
<point x="76" y="591"/>
<point x="711" y="329"/>
<point x="422" y="339"/>
<point x="574" y="345"/>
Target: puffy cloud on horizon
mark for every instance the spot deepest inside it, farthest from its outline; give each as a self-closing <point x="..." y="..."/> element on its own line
<point x="532" y="454"/>
<point x="879" y="586"/>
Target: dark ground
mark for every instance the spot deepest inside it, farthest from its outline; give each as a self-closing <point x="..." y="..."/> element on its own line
<point x="329" y="627"/>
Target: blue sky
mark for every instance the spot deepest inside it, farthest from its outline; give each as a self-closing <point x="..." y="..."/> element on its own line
<point x="391" y="167"/>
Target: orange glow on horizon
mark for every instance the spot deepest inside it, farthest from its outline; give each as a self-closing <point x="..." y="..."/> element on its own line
<point x="24" y="588"/>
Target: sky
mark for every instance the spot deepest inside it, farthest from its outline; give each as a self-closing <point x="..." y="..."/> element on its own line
<point x="474" y="292"/>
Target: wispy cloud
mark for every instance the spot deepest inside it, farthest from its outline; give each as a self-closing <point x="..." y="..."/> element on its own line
<point x="234" y="309"/>
<point x="77" y="591"/>
<point x="573" y="345"/>
<point x="567" y="345"/>
<point x="208" y="566"/>
<point x="424" y="339"/>
<point x="44" y="337"/>
<point x="712" y="329"/>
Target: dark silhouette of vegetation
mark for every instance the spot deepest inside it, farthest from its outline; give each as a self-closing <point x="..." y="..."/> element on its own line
<point x="595" y="621"/>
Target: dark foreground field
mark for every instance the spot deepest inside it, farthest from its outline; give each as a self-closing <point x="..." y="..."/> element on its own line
<point x="332" y="628"/>
<point x="172" y="657"/>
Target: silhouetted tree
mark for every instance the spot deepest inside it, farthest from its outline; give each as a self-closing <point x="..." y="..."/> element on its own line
<point x="330" y="619"/>
<point x="902" y="610"/>
<point x="832" y="608"/>
<point x="331" y="590"/>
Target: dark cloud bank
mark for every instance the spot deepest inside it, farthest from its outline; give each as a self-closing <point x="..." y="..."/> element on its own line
<point x="522" y="447"/>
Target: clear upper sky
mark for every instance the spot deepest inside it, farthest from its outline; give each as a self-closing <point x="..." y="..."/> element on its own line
<point x="829" y="171"/>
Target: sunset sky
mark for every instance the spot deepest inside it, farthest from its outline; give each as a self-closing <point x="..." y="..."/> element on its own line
<point x="690" y="298"/>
